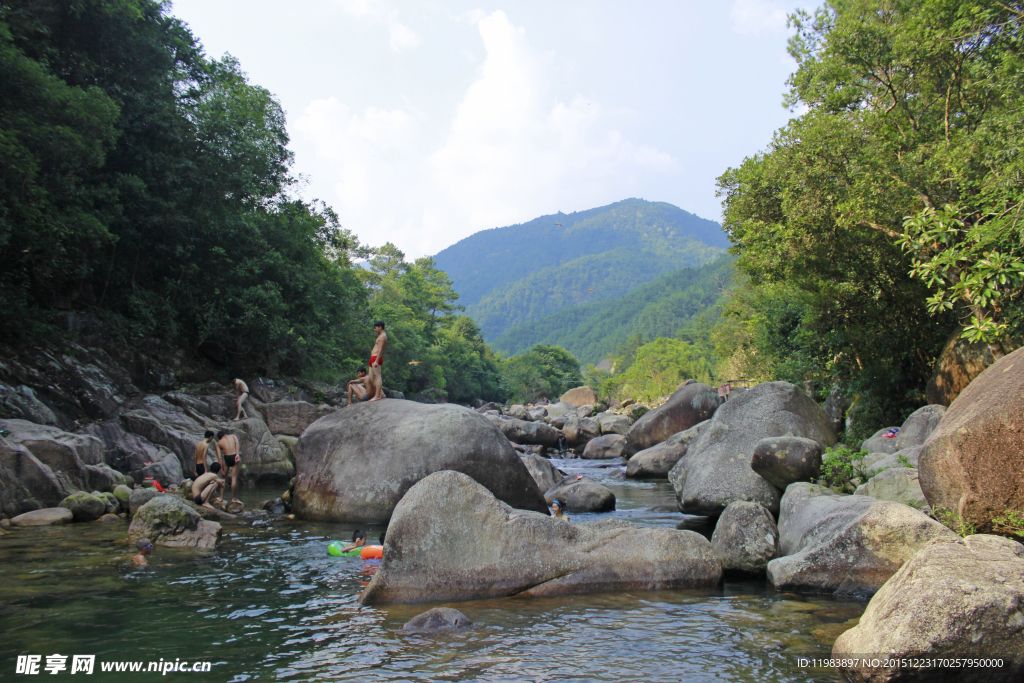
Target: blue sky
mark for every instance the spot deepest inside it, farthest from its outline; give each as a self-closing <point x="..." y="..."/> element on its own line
<point x="422" y="122"/>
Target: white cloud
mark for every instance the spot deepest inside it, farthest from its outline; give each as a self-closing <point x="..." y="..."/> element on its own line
<point x="512" y="152"/>
<point x="402" y="38"/>
<point x="757" y="17"/>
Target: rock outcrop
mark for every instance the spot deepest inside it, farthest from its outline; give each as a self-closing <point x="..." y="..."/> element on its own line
<point x="716" y="470"/>
<point x="292" y="417"/>
<point x="845" y="544"/>
<point x="356" y="464"/>
<point x="971" y="465"/>
<point x="959" y="363"/>
<point x="687" y="407"/>
<point x="50" y="463"/>
<point x="167" y="521"/>
<point x="492" y="550"/>
<point x="782" y="460"/>
<point x="956" y="599"/>
<point x="898" y="484"/>
<point x="745" y="538"/>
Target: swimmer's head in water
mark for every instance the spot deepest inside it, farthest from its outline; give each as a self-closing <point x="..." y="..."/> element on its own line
<point x="143" y="544"/>
<point x="557" y="504"/>
<point x="358" y="535"/>
<point x="215" y="467"/>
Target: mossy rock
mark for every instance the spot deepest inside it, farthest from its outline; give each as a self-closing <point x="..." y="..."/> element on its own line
<point x="84" y="507"/>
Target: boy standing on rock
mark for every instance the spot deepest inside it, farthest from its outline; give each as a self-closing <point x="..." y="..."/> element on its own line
<point x="376" y="386"/>
<point x="242" y="392"/>
<point x="203" y="453"/>
<point x="228" y="444"/>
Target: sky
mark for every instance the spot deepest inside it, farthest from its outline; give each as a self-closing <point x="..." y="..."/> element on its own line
<point x="422" y="122"/>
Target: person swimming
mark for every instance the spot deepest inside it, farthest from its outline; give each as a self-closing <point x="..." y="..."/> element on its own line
<point x="358" y="541"/>
<point x="145" y="547"/>
<point x="557" y="508"/>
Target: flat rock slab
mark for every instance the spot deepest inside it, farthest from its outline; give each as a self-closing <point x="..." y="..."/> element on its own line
<point x="44" y="517"/>
<point x="450" y="539"/>
<point x="954" y="599"/>
<point x="845" y="544"/>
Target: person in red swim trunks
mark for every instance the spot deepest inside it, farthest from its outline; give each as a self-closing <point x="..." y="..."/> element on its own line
<point x="376" y="360"/>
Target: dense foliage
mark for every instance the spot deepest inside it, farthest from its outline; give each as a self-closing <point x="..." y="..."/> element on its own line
<point x="659" y="308"/>
<point x="546" y="371"/>
<point x="887" y="213"/>
<point x="518" y="274"/>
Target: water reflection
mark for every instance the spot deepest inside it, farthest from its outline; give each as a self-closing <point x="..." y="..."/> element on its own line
<point x="270" y="604"/>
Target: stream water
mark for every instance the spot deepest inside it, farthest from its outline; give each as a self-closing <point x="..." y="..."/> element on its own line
<point x="270" y="604"/>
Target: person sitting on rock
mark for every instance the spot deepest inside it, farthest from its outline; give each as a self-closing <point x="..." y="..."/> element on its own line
<point x="357" y="387"/>
<point x="557" y="508"/>
<point x="203" y="453"/>
<point x="204" y="486"/>
<point x="228" y="444"/>
<point x="145" y="547"/>
<point x="358" y="541"/>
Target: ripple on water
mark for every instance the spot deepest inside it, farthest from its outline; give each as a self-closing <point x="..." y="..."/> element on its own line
<point x="269" y="603"/>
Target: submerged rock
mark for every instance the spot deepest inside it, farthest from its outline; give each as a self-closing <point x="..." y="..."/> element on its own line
<point x="168" y="521"/>
<point x="492" y="550"/>
<point x="356" y="464"/>
<point x="438" y="618"/>
<point x="954" y="599"/>
<point x="845" y="544"/>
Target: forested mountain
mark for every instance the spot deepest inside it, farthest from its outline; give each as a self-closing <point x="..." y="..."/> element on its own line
<point x="517" y="274"/>
<point x="659" y="308"/>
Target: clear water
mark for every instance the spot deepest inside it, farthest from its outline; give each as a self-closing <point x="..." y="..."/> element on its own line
<point x="270" y="604"/>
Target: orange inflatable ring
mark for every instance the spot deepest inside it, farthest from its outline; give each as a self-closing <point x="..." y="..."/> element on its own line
<point x="372" y="552"/>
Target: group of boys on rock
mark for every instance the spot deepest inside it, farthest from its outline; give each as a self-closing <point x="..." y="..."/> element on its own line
<point x="368" y="386"/>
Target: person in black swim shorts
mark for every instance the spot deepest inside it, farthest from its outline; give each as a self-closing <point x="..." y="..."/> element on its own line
<point x="203" y="453"/>
<point x="228" y="445"/>
<point x="204" y="486"/>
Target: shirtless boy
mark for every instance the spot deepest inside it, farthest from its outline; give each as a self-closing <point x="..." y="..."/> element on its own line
<point x="357" y="387"/>
<point x="228" y="445"/>
<point x="204" y="486"/>
<point x="145" y="547"/>
<point x="203" y="453"/>
<point x="376" y="360"/>
<point x="241" y="390"/>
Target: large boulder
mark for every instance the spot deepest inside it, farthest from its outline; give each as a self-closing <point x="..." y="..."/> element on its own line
<point x="579" y="431"/>
<point x="716" y="470"/>
<point x="264" y="459"/>
<point x="605" y="447"/>
<point x="61" y="451"/>
<point x="493" y="550"/>
<point x="559" y="409"/>
<point x="845" y="544"/>
<point x="898" y="484"/>
<point x="524" y="432"/>
<point x="880" y="443"/>
<point x="517" y="412"/>
<point x="956" y="599"/>
<point x="781" y="460"/>
<point x="135" y="455"/>
<point x="140" y="497"/>
<point x="745" y="538"/>
<point x="85" y="507"/>
<point x="971" y="465"/>
<point x="580" y="396"/>
<point x="168" y="521"/>
<point x="123" y="494"/>
<point x="581" y="494"/>
<point x="688" y="406"/>
<point x="655" y="462"/>
<point x="356" y="464"/>
<point x="164" y="424"/>
<point x="959" y="363"/>
<point x="292" y="417"/>
<point x="543" y="472"/>
<point x="919" y="426"/>
<point x="44" y="517"/>
<point x="102" y="477"/>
